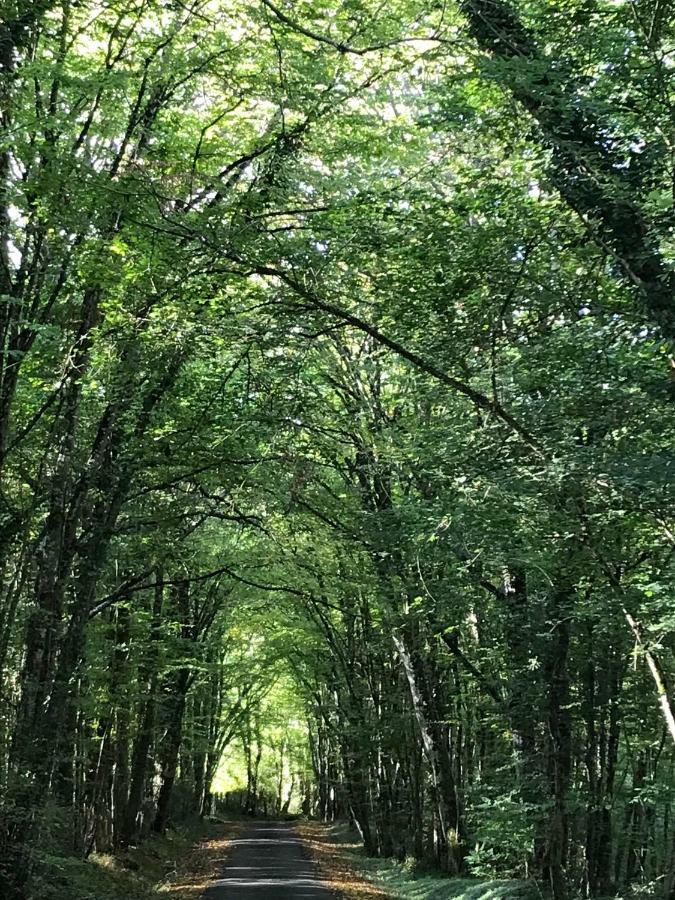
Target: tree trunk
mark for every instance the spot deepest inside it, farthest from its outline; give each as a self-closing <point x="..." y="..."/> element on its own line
<point x="170" y="751"/>
<point x="140" y="759"/>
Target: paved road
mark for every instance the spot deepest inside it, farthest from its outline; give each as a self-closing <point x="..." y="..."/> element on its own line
<point x="269" y="861"/>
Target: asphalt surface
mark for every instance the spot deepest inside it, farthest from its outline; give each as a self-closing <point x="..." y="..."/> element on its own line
<point x="269" y="861"/>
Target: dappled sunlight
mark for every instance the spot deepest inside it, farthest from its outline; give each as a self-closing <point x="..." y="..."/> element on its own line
<point x="337" y="470"/>
<point x="204" y="864"/>
<point x="336" y="867"/>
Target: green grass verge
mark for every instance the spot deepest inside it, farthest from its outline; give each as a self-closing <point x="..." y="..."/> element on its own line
<point x="400" y="882"/>
<point x="403" y="882"/>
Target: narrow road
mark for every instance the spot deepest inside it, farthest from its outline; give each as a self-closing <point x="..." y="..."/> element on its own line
<point x="269" y="861"/>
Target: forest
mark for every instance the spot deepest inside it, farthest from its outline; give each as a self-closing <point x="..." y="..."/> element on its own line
<point x="336" y="385"/>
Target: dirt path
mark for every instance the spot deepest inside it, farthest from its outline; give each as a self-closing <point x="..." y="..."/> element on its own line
<point x="269" y="861"/>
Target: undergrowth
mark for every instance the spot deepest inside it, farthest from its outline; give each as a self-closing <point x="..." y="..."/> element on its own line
<point x="140" y="873"/>
<point x="402" y="881"/>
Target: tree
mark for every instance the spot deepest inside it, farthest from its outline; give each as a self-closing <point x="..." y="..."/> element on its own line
<point x="334" y="391"/>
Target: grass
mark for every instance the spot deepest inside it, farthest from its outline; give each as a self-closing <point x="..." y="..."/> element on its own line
<point x="398" y="881"/>
<point x="177" y="866"/>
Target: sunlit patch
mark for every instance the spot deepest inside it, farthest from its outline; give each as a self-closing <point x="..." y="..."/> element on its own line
<point x="202" y="868"/>
<point x="335" y="868"/>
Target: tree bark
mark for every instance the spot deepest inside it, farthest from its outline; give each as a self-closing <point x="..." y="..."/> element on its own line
<point x="140" y="759"/>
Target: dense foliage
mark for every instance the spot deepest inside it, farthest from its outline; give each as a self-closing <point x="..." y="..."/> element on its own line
<point x="336" y="388"/>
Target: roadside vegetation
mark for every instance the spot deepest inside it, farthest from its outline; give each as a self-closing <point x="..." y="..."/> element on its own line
<point x="361" y="877"/>
<point x="176" y="866"/>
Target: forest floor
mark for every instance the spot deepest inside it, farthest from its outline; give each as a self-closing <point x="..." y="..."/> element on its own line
<point x="177" y="866"/>
<point x="338" y="862"/>
<point x="186" y="863"/>
<point x="359" y="877"/>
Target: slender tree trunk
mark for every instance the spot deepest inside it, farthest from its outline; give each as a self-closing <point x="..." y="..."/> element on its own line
<point x="170" y="751"/>
<point x="140" y="759"/>
<point x="560" y="749"/>
<point x="443" y="788"/>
